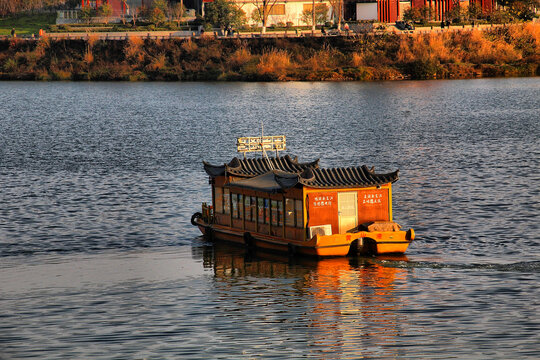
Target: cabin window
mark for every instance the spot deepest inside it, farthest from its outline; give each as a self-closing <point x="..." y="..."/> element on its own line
<point x="218" y="202"/>
<point x="275" y="214"/>
<point x="240" y="206"/>
<point x="299" y="209"/>
<point x="280" y="213"/>
<point x="260" y="209"/>
<point x="226" y="202"/>
<point x="247" y="207"/>
<point x="289" y="212"/>
<point x="267" y="211"/>
<point x="234" y="198"/>
<point x="253" y="208"/>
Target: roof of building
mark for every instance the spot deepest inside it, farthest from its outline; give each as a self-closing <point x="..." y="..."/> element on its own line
<point x="258" y="166"/>
<point x="352" y="177"/>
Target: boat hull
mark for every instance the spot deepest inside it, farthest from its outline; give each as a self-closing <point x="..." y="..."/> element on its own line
<point x="363" y="242"/>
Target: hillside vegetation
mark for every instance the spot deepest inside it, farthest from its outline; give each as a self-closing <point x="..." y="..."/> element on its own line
<point x="502" y="51"/>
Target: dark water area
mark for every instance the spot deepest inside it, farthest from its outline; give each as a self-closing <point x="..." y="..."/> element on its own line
<point x="98" y="258"/>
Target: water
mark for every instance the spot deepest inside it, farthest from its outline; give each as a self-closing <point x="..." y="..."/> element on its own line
<point x="98" y="259"/>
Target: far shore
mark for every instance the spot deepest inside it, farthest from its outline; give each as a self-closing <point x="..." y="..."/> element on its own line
<point x="425" y="53"/>
<point x="124" y="35"/>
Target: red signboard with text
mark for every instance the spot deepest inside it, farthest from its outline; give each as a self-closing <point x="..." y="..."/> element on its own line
<point x="373" y="205"/>
<point x="322" y="209"/>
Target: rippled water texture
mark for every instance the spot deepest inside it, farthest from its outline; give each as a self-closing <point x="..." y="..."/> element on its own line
<point x="98" y="259"/>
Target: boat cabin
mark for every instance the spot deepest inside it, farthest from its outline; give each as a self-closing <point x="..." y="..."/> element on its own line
<point x="283" y="198"/>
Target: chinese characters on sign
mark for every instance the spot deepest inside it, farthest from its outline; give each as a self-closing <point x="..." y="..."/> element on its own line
<point x="320" y="201"/>
<point x="370" y="199"/>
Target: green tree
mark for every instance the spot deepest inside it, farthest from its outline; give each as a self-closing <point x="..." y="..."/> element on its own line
<point x="87" y="13"/>
<point x="105" y="10"/>
<point x="521" y="9"/>
<point x="457" y="14"/>
<point x="157" y="16"/>
<point x="419" y="15"/>
<point x="474" y="11"/>
<point x="221" y="13"/>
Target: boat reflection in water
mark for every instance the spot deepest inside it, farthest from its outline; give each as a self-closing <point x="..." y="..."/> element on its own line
<point x="343" y="307"/>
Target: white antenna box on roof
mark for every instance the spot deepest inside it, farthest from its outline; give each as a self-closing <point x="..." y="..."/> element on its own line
<point x="261" y="143"/>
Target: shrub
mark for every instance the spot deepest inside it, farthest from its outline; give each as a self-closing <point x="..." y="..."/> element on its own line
<point x="133" y="50"/>
<point x="240" y="57"/>
<point x="274" y="63"/>
<point x="422" y="69"/>
<point x="10" y="65"/>
<point x="357" y="59"/>
<point x="157" y="63"/>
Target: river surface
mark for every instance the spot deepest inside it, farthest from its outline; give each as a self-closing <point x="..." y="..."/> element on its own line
<point x="98" y="259"/>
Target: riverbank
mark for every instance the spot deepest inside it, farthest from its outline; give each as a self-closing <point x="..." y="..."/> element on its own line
<point x="504" y="51"/>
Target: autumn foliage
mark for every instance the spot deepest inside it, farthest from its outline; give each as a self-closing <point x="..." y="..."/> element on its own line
<point x="501" y="51"/>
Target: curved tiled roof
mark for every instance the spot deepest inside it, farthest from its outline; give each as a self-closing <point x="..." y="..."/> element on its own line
<point x="352" y="177"/>
<point x="258" y="166"/>
<point x="360" y="176"/>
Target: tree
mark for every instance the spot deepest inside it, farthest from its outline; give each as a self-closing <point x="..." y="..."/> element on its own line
<point x="157" y="11"/>
<point x="125" y="8"/>
<point x="106" y="11"/>
<point x="420" y="15"/>
<point x="521" y="9"/>
<point x="474" y="11"/>
<point x="222" y="13"/>
<point x="263" y="8"/>
<point x="457" y="14"/>
<point x="157" y="16"/>
<point x="337" y="10"/>
<point x="87" y="13"/>
<point x="321" y="12"/>
<point x="177" y="11"/>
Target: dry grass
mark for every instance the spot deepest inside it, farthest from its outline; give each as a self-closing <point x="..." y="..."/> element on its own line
<point x="88" y="57"/>
<point x="239" y="57"/>
<point x="42" y="46"/>
<point x="357" y="59"/>
<point x="91" y="40"/>
<point x="274" y="62"/>
<point x="133" y="51"/>
<point x="157" y="63"/>
<point x="189" y="46"/>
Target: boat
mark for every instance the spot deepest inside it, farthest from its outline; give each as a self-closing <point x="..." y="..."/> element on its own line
<point x="278" y="203"/>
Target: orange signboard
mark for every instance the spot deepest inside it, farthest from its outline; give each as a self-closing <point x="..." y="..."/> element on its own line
<point x="373" y="205"/>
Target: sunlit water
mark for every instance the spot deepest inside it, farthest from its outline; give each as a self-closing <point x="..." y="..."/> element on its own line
<point x="98" y="259"/>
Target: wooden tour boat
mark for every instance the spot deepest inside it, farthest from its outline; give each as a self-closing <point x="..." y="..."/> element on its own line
<point x="278" y="203"/>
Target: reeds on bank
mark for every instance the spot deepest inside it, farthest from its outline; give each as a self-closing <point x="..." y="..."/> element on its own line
<point x="503" y="51"/>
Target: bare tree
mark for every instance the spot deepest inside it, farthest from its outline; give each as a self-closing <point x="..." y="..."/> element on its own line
<point x="263" y="9"/>
<point x="337" y="10"/>
<point x="177" y="11"/>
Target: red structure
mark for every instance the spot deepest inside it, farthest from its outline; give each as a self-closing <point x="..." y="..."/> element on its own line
<point x="388" y="10"/>
<point x="487" y="5"/>
<point x="439" y="8"/>
<point x="96" y="3"/>
<point x="118" y="6"/>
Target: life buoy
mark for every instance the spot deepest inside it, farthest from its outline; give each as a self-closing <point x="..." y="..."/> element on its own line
<point x="195" y="216"/>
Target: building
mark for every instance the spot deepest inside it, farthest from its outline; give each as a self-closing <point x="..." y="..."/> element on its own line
<point x="119" y="7"/>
